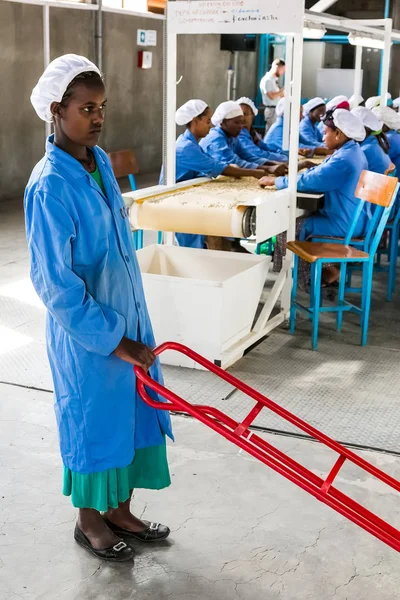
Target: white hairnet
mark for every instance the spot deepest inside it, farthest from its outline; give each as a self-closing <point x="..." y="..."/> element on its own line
<point x="396" y="103"/>
<point x="355" y="101"/>
<point x="249" y="102"/>
<point x="349" y="124"/>
<point x="368" y="118"/>
<point x="376" y="101"/>
<point x="280" y="107"/>
<point x="188" y="111"/>
<point x="226" y="110"/>
<point x="335" y="102"/>
<point x="53" y="84"/>
<point x="372" y="102"/>
<point x="311" y="104"/>
<point x="389" y="116"/>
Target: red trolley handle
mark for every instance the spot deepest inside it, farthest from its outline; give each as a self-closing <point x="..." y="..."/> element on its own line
<point x="175" y="403"/>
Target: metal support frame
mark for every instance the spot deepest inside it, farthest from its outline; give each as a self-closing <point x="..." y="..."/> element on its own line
<point x="385" y="64"/>
<point x="46" y="50"/>
<point x="358" y="74"/>
<point x="288" y="91"/>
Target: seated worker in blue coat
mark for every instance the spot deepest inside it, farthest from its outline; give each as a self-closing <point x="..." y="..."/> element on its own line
<point x="391" y="125"/>
<point x="337" y="177"/>
<point x="376" y="145"/>
<point x="274" y="137"/>
<point x="222" y="142"/>
<point x="336" y="102"/>
<point x="192" y="161"/>
<point x="251" y="144"/>
<point x="313" y="111"/>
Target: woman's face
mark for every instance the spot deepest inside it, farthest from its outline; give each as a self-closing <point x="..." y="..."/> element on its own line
<point x="334" y="138"/>
<point x="233" y="127"/>
<point x="81" y="119"/>
<point x="202" y="124"/>
<point x="248" y="116"/>
<point x="317" y="114"/>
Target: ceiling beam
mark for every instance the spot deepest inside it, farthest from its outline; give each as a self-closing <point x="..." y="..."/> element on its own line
<point x="322" y="5"/>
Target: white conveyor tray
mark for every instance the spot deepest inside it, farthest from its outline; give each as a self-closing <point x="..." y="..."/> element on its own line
<point x="272" y="206"/>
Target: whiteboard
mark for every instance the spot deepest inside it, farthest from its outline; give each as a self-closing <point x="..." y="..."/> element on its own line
<point x="235" y="16"/>
<point x="331" y="82"/>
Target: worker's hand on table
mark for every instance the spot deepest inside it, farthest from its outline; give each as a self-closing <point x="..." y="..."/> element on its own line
<point x="306" y="164"/>
<point x="135" y="353"/>
<point x="307" y="152"/>
<point x="267" y="181"/>
<point x="277" y="170"/>
<point x="322" y="152"/>
<point x="257" y="173"/>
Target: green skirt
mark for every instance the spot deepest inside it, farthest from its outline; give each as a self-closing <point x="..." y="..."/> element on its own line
<point x="104" y="489"/>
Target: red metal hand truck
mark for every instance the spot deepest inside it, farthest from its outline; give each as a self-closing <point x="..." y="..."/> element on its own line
<point x="239" y="434"/>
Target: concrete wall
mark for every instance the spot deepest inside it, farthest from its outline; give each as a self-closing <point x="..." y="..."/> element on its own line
<point x="313" y="59"/>
<point x="134" y="112"/>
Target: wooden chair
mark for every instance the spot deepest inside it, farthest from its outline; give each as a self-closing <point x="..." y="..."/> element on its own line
<point x="379" y="190"/>
<point x="124" y="164"/>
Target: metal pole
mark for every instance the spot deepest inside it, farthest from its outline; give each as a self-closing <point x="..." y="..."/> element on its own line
<point x="386" y="62"/>
<point x="46" y="50"/>
<point x="358" y="75"/>
<point x="288" y="91"/>
<point x="293" y="158"/>
<point x="235" y="74"/>
<point x="99" y="34"/>
<point x="169" y="109"/>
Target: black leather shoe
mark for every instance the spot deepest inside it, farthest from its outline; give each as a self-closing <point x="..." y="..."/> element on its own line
<point x="155" y="532"/>
<point x="121" y="552"/>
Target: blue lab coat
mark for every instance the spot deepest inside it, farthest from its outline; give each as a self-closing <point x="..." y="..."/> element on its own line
<point x="84" y="268"/>
<point x="274" y="137"/>
<point x="228" y="150"/>
<point x="378" y="160"/>
<point x="337" y="177"/>
<point x="257" y="153"/>
<point x="192" y="162"/>
<point x="310" y="135"/>
<point x="394" y="150"/>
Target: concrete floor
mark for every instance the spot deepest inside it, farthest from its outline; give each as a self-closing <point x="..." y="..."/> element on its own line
<point x="238" y="529"/>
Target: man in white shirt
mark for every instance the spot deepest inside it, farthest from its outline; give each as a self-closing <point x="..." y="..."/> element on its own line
<point x="271" y="92"/>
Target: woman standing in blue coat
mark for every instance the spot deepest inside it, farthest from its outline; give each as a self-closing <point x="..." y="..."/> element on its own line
<point x="375" y="146"/>
<point x="84" y="268"/>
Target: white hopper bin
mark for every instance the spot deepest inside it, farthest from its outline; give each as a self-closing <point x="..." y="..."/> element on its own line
<point x="204" y="299"/>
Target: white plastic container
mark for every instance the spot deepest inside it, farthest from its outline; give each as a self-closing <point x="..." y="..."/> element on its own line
<point x="204" y="299"/>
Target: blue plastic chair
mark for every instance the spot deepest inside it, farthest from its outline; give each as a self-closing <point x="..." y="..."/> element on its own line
<point x="391" y="251"/>
<point x="376" y="189"/>
<point x="392" y="248"/>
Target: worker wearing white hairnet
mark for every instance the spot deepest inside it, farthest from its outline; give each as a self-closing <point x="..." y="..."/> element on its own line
<point x="251" y="144"/>
<point x="192" y="161"/>
<point x="375" y="146"/>
<point x="336" y="177"/>
<point x="391" y="127"/>
<point x="222" y="142"/>
<point x="313" y="111"/>
<point x="274" y="137"/>
<point x="335" y="102"/>
<point x="84" y="268"/>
